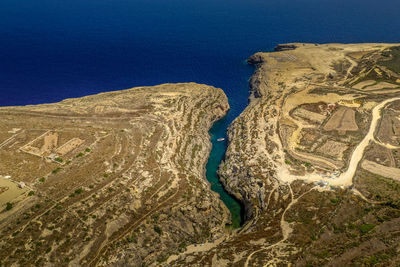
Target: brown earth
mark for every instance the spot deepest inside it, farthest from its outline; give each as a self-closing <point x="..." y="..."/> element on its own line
<point x="342" y="120"/>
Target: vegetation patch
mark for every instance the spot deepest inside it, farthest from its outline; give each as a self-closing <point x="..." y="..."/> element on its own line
<point x="365" y="228"/>
<point x="393" y="63"/>
<point x="9" y="206"/>
<point x="157" y="229"/>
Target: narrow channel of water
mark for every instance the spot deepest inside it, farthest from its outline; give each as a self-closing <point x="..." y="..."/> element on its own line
<point x="216" y="156"/>
<point x="238" y="100"/>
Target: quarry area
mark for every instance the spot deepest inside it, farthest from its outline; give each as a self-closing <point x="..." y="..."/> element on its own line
<point x="109" y="179"/>
<point x="314" y="158"/>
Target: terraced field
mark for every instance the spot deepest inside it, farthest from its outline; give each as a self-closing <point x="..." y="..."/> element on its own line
<point x="113" y="178"/>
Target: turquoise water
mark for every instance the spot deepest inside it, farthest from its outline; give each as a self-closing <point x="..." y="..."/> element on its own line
<point x="217" y="154"/>
<point x="54" y="49"/>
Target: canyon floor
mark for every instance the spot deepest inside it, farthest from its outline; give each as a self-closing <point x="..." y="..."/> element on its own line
<point x="119" y="178"/>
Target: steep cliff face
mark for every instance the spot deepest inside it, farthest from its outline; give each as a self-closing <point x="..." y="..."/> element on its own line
<point x="303" y="160"/>
<point x="249" y="168"/>
<point x="114" y="178"/>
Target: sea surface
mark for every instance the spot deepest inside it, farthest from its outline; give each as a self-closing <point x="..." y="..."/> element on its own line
<point x="56" y="49"/>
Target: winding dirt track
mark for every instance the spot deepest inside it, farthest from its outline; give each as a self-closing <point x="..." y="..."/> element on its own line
<point x="285" y="226"/>
<point x="347" y="177"/>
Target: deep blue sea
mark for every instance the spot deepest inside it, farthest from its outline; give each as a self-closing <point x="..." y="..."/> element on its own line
<point x="56" y="49"/>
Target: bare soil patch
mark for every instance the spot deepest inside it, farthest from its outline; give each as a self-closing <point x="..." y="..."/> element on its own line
<point x="342" y="120"/>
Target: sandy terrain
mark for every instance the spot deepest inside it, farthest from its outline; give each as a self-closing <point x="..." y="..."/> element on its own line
<point x="389" y="172"/>
<point x="342" y="120"/>
<point x="11" y="191"/>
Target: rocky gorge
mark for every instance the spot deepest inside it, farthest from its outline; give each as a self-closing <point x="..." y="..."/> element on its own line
<point x="288" y="160"/>
<point x="119" y="178"/>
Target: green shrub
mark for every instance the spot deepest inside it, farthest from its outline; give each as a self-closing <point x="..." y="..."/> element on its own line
<point x="371" y="261"/>
<point x="78" y="191"/>
<point x="162" y="258"/>
<point x="365" y="228"/>
<point x="155" y="217"/>
<point x="182" y="245"/>
<point x="79" y="155"/>
<point x="87" y="150"/>
<point x="31" y="193"/>
<point x="157" y="229"/>
<point x="58" y="160"/>
<point x="334" y="200"/>
<point x="56" y="170"/>
<point x="132" y="238"/>
<point x="9" y="206"/>
<point x="42" y="179"/>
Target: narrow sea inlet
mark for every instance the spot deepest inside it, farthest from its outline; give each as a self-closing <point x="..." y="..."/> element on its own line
<point x="216" y="156"/>
<point x="237" y="91"/>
